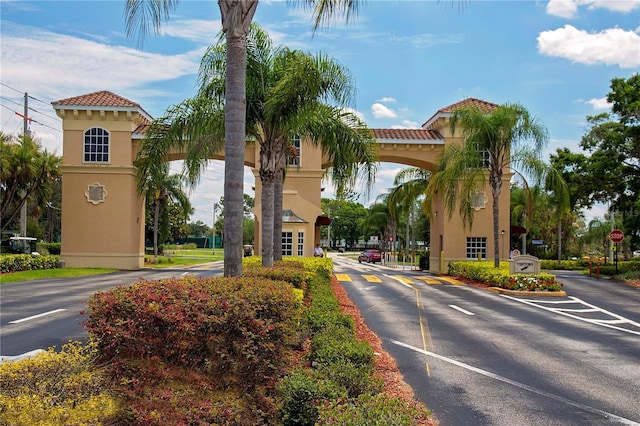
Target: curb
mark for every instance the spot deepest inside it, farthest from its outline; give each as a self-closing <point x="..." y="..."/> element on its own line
<point x="527" y="293"/>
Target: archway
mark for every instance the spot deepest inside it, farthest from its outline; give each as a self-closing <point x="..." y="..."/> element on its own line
<point x="103" y="217"/>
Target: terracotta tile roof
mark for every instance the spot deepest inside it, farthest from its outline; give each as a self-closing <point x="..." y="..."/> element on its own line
<point x="483" y="106"/>
<point x="411" y="134"/>
<point x="102" y="98"/>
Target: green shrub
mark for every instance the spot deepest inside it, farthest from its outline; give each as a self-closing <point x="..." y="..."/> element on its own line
<point x="337" y="344"/>
<point x="372" y="410"/>
<point x="485" y="271"/>
<point x="349" y="379"/>
<point x="288" y="271"/>
<point x="187" y="246"/>
<point x="55" y="389"/>
<point x="299" y="395"/>
<point x="51" y="248"/>
<point x="26" y="262"/>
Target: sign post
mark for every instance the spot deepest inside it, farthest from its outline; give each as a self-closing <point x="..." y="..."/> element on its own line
<point x="616" y="236"/>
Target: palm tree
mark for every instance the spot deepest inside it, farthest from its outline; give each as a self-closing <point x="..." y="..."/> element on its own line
<point x="409" y="186"/>
<point x="492" y="143"/>
<point x="161" y="187"/>
<point x="236" y="19"/>
<point x="286" y="95"/>
<point x="26" y="172"/>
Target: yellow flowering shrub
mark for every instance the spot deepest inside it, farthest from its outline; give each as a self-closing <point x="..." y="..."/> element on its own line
<point x="53" y="389"/>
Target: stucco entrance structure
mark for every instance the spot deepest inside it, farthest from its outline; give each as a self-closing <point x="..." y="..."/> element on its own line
<point x="103" y="217"/>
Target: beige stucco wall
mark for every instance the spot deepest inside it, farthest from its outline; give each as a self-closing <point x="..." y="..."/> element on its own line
<point x="109" y="233"/>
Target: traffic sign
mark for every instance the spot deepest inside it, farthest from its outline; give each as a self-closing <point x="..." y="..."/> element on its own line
<point x="616" y="236"/>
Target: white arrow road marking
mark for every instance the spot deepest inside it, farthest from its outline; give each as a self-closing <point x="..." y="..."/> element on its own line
<point x="55" y="311"/>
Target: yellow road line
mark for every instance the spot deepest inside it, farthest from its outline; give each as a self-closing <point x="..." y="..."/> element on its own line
<point x="451" y="281"/>
<point x="429" y="280"/>
<point x="372" y="278"/>
<point x="343" y="277"/>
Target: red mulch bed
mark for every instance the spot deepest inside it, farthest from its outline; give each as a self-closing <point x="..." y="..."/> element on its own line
<point x="386" y="368"/>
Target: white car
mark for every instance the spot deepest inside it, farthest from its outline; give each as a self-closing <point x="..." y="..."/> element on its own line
<point x="636" y="253"/>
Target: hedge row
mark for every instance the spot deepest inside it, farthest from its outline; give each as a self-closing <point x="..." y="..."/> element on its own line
<point x="26" y="262"/>
<point x="341" y="387"/>
<point x="485" y="271"/>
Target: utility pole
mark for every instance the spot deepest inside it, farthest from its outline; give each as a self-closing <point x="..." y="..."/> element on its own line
<point x="25" y="132"/>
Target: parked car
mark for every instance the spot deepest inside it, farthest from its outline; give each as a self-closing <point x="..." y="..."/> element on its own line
<point x="370" y="256"/>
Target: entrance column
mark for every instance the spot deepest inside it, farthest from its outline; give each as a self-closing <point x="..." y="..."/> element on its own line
<point x="102" y="214"/>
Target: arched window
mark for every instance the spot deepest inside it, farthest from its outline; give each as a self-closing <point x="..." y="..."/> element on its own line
<point x="96" y="145"/>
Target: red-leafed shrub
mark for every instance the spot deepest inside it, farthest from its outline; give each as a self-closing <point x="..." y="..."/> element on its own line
<point x="236" y="331"/>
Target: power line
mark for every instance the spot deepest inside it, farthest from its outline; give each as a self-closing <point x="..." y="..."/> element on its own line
<point x="12" y="88"/>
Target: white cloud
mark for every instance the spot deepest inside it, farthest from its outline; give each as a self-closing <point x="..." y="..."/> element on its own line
<point x="382" y="111"/>
<point x="569" y="8"/>
<point x="613" y="46"/>
<point x="197" y="30"/>
<point x="599" y="103"/>
<point x="42" y="61"/>
<point x="387" y="99"/>
<point x="562" y="8"/>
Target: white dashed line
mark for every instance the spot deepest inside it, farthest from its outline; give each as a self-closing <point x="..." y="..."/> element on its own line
<point x="55" y="311"/>
<point x="458" y="308"/>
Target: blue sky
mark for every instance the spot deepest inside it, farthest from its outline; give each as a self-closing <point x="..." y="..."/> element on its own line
<point x="408" y="59"/>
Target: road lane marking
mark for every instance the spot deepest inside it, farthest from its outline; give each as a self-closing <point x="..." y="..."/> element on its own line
<point x="372" y="278"/>
<point x="464" y="311"/>
<point x="566" y="312"/>
<point x="606" y="415"/>
<point x="343" y="277"/>
<point x="55" y="311"/>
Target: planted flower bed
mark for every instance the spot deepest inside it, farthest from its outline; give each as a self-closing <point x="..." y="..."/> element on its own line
<point x="486" y="272"/>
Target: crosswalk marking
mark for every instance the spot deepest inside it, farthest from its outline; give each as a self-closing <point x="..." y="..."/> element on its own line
<point x="402" y="279"/>
<point x="372" y="278"/>
<point x="429" y="280"/>
<point x="451" y="280"/>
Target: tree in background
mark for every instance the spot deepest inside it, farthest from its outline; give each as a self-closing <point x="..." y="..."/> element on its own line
<point x="610" y="172"/>
<point x="160" y="189"/>
<point x="27" y="172"/>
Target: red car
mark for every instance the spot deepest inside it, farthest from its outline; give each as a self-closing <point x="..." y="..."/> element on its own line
<point x="370" y="256"/>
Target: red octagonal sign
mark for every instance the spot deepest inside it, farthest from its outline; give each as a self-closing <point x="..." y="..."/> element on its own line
<point x="616" y="236"/>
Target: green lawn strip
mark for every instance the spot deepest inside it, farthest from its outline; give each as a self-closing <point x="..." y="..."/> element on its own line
<point x="43" y="274"/>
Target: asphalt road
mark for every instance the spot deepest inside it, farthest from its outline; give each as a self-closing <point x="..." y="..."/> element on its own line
<point x="48" y="313"/>
<point x="479" y="358"/>
<point x="472" y="356"/>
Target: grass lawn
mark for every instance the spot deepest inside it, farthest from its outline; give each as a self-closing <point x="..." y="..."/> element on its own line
<point x="173" y="258"/>
<point x="42" y="274"/>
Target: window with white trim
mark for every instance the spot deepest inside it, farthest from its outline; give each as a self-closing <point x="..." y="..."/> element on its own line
<point x="476" y="246"/>
<point x="96" y="145"/>
<point x="287" y="243"/>
<point x="294" y="144"/>
<point x="300" y="243"/>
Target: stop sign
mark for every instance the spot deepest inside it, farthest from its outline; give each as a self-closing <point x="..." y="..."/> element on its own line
<point x="616" y="235"/>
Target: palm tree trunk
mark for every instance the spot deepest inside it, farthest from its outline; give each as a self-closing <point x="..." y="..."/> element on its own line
<point x="496" y="229"/>
<point x="277" y="215"/>
<point x="267" y="219"/>
<point x="156" y="215"/>
<point x="236" y="18"/>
